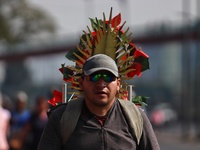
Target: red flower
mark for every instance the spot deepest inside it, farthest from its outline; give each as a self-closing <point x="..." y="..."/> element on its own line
<point x="137" y="70"/>
<point x="74" y="85"/>
<point x="61" y="70"/>
<point x="68" y="79"/>
<point x="139" y="53"/>
<point x="114" y="23"/>
<point x="94" y="35"/>
<point x="125" y="95"/>
<point x="116" y="19"/>
<point x="69" y="72"/>
<point x="56" y="99"/>
<point x="138" y="105"/>
<point x="124" y="58"/>
<point x="131" y="44"/>
<point x="84" y="57"/>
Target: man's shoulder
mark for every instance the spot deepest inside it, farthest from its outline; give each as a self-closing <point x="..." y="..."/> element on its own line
<point x="127" y="103"/>
<point x="57" y="110"/>
<point x="70" y="106"/>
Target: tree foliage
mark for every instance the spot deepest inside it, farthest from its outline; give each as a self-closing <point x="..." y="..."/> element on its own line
<point x="19" y="21"/>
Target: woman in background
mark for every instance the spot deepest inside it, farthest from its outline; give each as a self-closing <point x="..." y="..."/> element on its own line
<point x="4" y="126"/>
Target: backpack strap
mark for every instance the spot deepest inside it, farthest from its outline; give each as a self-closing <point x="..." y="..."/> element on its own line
<point x="134" y="118"/>
<point x="70" y="118"/>
<point x="72" y="113"/>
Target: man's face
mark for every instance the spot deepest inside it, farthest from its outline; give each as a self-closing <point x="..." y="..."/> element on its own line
<point x="98" y="91"/>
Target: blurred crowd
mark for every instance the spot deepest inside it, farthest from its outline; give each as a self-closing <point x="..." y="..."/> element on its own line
<point x="21" y="126"/>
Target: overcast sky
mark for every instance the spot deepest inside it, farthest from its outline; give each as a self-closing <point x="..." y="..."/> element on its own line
<point x="72" y="16"/>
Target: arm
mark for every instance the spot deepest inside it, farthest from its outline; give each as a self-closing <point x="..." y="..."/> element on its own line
<point x="51" y="137"/>
<point x="148" y="140"/>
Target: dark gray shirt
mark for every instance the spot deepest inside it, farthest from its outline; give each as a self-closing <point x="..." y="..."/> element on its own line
<point x="89" y="134"/>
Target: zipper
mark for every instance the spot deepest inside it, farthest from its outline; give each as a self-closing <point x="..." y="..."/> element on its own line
<point x="101" y="121"/>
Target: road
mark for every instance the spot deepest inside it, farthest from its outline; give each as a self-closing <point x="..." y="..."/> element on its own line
<point x="168" y="142"/>
<point x="171" y="139"/>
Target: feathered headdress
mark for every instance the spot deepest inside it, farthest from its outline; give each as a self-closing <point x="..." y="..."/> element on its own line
<point x="106" y="37"/>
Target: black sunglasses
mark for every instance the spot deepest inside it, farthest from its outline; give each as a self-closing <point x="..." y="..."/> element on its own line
<point x="107" y="77"/>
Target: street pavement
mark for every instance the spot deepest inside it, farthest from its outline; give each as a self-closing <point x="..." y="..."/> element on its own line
<point x="171" y="139"/>
<point x="168" y="142"/>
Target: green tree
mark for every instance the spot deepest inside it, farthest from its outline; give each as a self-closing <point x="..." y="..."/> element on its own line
<point x="20" y="22"/>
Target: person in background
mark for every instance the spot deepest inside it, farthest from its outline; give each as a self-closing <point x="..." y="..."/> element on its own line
<point x="4" y="125"/>
<point x="36" y="123"/>
<point x="19" y="117"/>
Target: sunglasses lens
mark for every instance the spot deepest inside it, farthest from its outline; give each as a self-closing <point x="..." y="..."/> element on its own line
<point x="107" y="78"/>
<point x="96" y="77"/>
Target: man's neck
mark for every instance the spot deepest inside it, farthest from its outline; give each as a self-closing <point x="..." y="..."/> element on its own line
<point x="99" y="110"/>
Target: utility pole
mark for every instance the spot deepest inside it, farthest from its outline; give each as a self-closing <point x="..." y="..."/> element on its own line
<point x="197" y="77"/>
<point x="186" y="100"/>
